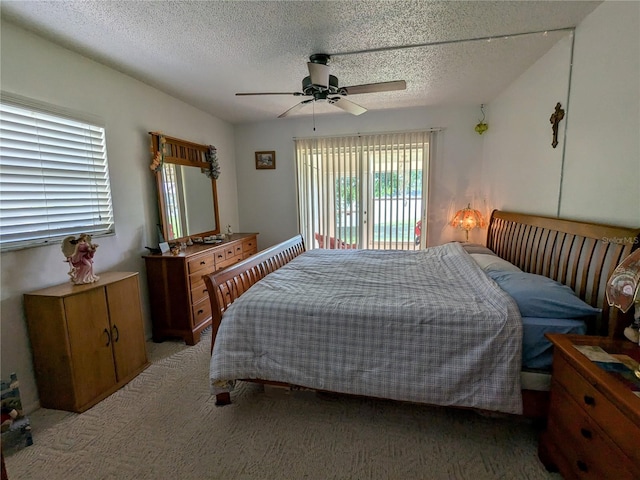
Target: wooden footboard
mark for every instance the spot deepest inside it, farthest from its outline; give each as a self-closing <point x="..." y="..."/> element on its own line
<point x="226" y="286"/>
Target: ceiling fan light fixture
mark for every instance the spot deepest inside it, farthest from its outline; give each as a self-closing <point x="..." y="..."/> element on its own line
<point x="321" y="85"/>
<point x="319" y="74"/>
<point x="310" y="88"/>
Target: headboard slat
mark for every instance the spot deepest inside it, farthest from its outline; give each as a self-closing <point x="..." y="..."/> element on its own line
<point x="579" y="254"/>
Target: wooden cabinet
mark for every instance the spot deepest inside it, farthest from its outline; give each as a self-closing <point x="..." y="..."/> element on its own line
<point x="593" y="426"/>
<point x="87" y="340"/>
<point x="179" y="300"/>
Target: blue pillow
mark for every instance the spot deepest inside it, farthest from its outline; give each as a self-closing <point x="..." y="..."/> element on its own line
<point x="539" y="296"/>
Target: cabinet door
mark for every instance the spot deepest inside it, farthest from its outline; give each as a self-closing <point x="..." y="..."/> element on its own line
<point x="90" y="344"/>
<point x="127" y="329"/>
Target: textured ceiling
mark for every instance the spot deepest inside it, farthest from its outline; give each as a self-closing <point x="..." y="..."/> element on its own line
<point x="203" y="52"/>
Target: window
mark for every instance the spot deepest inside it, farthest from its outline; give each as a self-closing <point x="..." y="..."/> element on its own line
<point x="54" y="178"/>
<point x="366" y="191"/>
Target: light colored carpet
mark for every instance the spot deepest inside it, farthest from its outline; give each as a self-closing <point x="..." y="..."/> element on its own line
<point x="164" y="425"/>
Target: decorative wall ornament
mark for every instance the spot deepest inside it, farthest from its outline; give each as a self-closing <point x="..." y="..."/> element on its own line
<point x="482" y="127"/>
<point x="555" y="119"/>
<point x="265" y="160"/>
<point x="156" y="163"/>
<point x="212" y="158"/>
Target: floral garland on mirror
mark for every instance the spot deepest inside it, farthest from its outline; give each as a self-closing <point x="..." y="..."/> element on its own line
<point x="212" y="158"/>
<point x="156" y="163"/>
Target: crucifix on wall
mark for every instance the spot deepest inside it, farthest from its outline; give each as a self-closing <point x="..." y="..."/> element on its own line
<point x="556" y="116"/>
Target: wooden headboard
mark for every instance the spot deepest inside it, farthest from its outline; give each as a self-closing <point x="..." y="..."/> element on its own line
<point x="578" y="254"/>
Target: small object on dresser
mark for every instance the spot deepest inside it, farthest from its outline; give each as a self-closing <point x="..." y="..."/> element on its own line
<point x="79" y="252"/>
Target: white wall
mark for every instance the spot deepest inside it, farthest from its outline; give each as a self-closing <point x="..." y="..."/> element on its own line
<point x="602" y="163"/>
<point x="35" y="68"/>
<point x="521" y="170"/>
<point x="601" y="178"/>
<point x="267" y="202"/>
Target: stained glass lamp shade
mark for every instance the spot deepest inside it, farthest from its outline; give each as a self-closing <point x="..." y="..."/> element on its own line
<point x="468" y="219"/>
<point x="623" y="291"/>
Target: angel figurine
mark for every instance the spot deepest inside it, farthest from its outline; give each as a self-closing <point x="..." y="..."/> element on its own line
<point x="79" y="253"/>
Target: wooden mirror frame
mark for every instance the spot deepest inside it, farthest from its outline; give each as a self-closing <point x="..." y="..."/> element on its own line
<point x="188" y="154"/>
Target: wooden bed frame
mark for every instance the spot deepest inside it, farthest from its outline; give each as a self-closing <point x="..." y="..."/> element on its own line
<point x="578" y="254"/>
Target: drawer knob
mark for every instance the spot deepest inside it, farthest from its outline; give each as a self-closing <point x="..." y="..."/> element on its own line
<point x="203" y="262"/>
<point x="582" y="466"/>
<point x="589" y="400"/>
<point x="586" y="433"/>
<point x="200" y="311"/>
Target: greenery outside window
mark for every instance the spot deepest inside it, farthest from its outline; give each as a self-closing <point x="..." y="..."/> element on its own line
<point x="54" y="178"/>
<point x="364" y="191"/>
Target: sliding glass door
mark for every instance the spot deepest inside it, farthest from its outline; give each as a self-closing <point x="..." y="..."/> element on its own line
<point x="364" y="191"/>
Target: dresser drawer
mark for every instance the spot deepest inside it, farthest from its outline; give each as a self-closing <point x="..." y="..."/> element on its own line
<point x="227" y="263"/>
<point x="249" y="246"/>
<point x="203" y="262"/>
<point x="219" y="255"/>
<point x="620" y="429"/>
<point x="237" y="249"/>
<point x="589" y="451"/>
<point x="201" y="312"/>
<point x="583" y="465"/>
<point x="198" y="289"/>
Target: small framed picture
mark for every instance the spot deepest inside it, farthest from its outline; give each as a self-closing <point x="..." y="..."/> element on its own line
<point x="265" y="160"/>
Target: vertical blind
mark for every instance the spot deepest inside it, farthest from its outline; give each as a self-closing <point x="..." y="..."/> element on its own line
<point x="365" y="191"/>
<point x="54" y="178"/>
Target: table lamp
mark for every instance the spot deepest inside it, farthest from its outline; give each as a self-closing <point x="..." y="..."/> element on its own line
<point x="623" y="292"/>
<point x="468" y="219"/>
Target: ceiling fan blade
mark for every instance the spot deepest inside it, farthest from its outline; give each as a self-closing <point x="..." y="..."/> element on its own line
<point x="270" y="93"/>
<point x="295" y="108"/>
<point x="375" y="87"/>
<point x="319" y="74"/>
<point x="347" y="105"/>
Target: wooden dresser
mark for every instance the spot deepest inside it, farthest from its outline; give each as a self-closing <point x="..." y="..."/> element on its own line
<point x="87" y="340"/>
<point x="180" y="304"/>
<point x="593" y="428"/>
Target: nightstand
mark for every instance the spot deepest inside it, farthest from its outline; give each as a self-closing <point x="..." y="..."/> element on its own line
<point x="593" y="428"/>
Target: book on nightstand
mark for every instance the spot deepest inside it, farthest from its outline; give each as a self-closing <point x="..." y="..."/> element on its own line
<point x="623" y="367"/>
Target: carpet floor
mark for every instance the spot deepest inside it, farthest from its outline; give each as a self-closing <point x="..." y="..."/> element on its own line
<point x="164" y="425"/>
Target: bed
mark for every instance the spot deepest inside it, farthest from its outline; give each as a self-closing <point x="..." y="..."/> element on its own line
<point x="434" y="326"/>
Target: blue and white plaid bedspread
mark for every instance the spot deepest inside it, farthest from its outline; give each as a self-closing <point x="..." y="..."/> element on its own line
<point x="424" y="326"/>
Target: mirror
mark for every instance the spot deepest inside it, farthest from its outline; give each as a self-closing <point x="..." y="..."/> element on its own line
<point x="187" y="197"/>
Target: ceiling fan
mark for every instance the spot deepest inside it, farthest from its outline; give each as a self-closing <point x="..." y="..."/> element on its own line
<point x="321" y="85"/>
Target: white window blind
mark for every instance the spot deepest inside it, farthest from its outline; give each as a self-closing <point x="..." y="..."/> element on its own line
<point x="365" y="191"/>
<point x="54" y="178"/>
